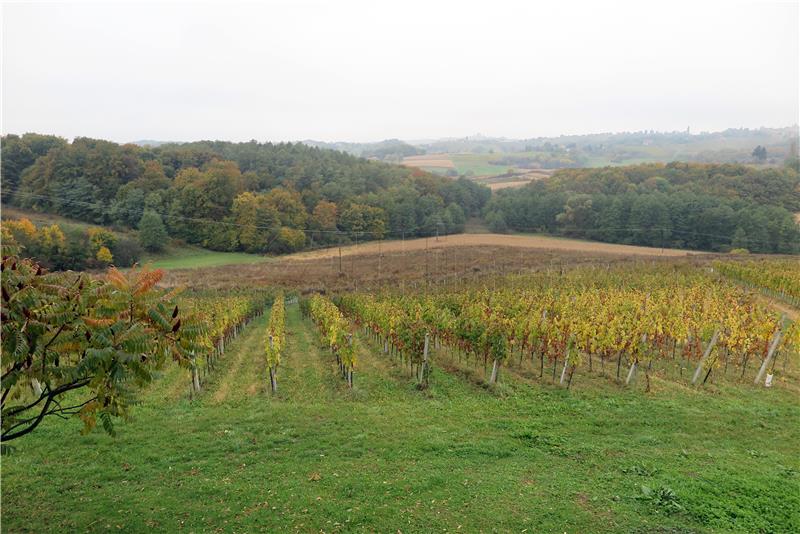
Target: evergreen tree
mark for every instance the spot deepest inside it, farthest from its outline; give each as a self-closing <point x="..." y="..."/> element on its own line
<point x="152" y="234"/>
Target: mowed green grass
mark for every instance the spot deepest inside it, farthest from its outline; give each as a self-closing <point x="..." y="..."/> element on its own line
<point x="195" y="258"/>
<point x="386" y="457"/>
<point x="480" y="164"/>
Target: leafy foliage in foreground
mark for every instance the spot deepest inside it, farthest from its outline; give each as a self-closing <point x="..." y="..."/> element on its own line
<point x="74" y="344"/>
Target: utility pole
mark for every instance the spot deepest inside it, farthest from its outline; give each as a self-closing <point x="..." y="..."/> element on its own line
<point x="340" y="254"/>
<point x="426" y="259"/>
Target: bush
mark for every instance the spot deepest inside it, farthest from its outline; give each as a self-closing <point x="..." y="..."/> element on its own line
<point x="126" y="252"/>
<point x="496" y="222"/>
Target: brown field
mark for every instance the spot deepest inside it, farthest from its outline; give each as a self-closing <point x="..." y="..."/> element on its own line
<point x="471" y="240"/>
<point x="396" y="263"/>
<point x="495" y="186"/>
<point x="506" y="181"/>
<point x="429" y="160"/>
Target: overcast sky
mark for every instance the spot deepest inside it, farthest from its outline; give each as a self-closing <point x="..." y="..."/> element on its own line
<point x="365" y="71"/>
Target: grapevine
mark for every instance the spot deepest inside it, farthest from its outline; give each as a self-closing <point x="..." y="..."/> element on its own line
<point x="662" y="318"/>
<point x="273" y="344"/>
<point x="334" y="331"/>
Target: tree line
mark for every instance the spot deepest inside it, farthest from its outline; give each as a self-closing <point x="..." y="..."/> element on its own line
<point x="62" y="247"/>
<point x="253" y="197"/>
<point x="716" y="207"/>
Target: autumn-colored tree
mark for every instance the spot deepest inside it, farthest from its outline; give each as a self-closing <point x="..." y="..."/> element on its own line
<point x="44" y="242"/>
<point x="100" y="237"/>
<point x="256" y="221"/>
<point x="152" y="178"/>
<point x="324" y="217"/>
<point x="288" y="240"/>
<point x="94" y="339"/>
<point x="289" y="206"/>
<point x="104" y="255"/>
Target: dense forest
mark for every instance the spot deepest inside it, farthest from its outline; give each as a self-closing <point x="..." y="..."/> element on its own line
<point x="253" y="197"/>
<point x="715" y="207"/>
<point x="279" y="198"/>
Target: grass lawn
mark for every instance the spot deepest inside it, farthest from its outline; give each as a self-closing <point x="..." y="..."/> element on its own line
<point x="387" y="457"/>
<point x="479" y="164"/>
<point x="196" y="257"/>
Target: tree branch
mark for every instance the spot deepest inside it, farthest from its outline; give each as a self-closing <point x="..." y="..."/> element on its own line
<point x="38" y="419"/>
<point x="16" y="367"/>
<point x="33" y="422"/>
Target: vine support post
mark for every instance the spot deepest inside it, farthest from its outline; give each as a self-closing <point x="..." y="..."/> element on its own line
<point x="195" y="374"/>
<point x="631" y="371"/>
<point x="776" y="339"/>
<point x="423" y="369"/>
<point x="564" y="370"/>
<point x="706" y="354"/>
<point x="635" y="364"/>
<point x="495" y="371"/>
<point x="349" y="370"/>
<point x="273" y="380"/>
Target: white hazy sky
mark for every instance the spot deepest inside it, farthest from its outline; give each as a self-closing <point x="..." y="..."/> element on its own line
<point x="365" y="71"/>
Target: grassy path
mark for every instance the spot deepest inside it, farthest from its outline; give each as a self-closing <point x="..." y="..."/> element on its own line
<point x="240" y="372"/>
<point x="170" y="384"/>
<point x="307" y="373"/>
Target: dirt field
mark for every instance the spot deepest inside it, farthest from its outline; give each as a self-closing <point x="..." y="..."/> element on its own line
<point x="429" y="160"/>
<point x="495" y="186"/>
<point x="507" y="181"/>
<point x="471" y="240"/>
<point x="448" y="261"/>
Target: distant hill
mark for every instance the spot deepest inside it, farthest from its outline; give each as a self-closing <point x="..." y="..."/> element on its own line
<point x="151" y="143"/>
<point x="389" y="150"/>
<point x="479" y="155"/>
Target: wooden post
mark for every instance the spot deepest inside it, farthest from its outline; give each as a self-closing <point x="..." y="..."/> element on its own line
<point x="495" y="371"/>
<point x="349" y="370"/>
<point x="774" y="345"/>
<point x="195" y="375"/>
<point x="564" y="370"/>
<point x="635" y="364"/>
<point x="273" y="380"/>
<point x="631" y="371"/>
<point x="706" y="354"/>
<point x="424" y="367"/>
